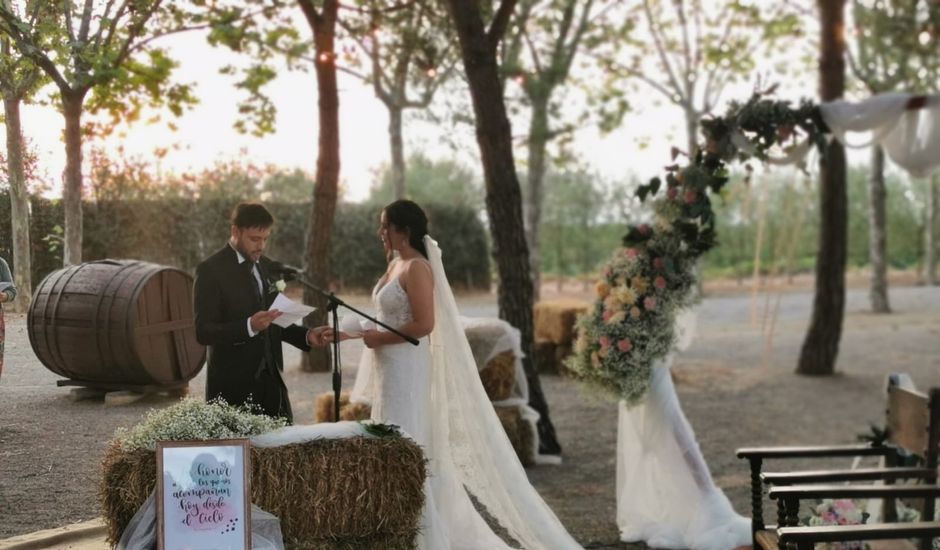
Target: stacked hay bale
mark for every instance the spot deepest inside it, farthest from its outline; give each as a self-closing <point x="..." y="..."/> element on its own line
<point x="554" y="332"/>
<point x="358" y="492"/>
<point x="497" y="352"/>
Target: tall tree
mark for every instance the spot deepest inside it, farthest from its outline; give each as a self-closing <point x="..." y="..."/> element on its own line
<point x="821" y="345"/>
<point x="930" y="232"/>
<point x="19" y="79"/>
<point x="322" y="22"/>
<point x="891" y="53"/>
<point x="408" y="52"/>
<point x="105" y="48"/>
<point x="479" y="49"/>
<point x="538" y="54"/>
<point x="689" y="51"/>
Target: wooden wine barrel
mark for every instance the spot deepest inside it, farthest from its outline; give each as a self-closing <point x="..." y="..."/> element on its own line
<point x="117" y="324"/>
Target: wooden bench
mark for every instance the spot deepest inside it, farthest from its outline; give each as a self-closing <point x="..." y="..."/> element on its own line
<point x="913" y="426"/>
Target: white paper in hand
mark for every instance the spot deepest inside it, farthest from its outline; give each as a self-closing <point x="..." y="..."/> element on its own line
<point x="354" y="326"/>
<point x="291" y="311"/>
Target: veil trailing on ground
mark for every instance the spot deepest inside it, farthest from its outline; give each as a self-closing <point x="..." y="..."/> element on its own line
<point x="467" y="440"/>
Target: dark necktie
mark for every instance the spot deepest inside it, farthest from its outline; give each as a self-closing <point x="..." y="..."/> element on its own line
<point x="254" y="281"/>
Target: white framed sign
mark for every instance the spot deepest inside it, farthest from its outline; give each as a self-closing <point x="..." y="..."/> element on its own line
<point x="203" y="499"/>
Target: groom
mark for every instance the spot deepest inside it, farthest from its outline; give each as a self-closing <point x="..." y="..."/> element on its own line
<point x="234" y="289"/>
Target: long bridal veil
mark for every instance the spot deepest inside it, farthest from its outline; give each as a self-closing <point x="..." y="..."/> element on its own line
<point x="467" y="438"/>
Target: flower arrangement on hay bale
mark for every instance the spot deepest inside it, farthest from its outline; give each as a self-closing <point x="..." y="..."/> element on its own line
<point x="652" y="277"/>
<point x="357" y="492"/>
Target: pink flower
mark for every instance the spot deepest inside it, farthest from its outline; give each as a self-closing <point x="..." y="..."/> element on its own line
<point x="625" y="345"/>
<point x="649" y="303"/>
<point x="672" y="193"/>
<point x="630" y="253"/>
<point x="659" y="263"/>
<point x="690" y="196"/>
<point x="643" y="228"/>
<point x="659" y="282"/>
<point x="604" y="342"/>
<point x="608" y="314"/>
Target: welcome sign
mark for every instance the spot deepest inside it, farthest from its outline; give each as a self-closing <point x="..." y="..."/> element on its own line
<point x="202" y="495"/>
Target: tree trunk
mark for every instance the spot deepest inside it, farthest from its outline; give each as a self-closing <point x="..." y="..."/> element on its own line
<point x="398" y="151"/>
<point x="877" y="234"/>
<point x="930" y="241"/>
<point x="691" y="132"/>
<point x="325" y="190"/>
<point x="19" y="205"/>
<point x="538" y="141"/>
<point x="821" y="346"/>
<point x="503" y="196"/>
<point x="72" y="185"/>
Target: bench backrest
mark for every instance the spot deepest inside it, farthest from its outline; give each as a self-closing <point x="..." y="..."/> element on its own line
<point x="913" y="422"/>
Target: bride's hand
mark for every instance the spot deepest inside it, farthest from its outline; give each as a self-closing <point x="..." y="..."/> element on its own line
<point x="372" y="338"/>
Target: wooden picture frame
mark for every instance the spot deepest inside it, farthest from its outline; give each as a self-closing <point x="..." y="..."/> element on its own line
<point x="203" y="497"/>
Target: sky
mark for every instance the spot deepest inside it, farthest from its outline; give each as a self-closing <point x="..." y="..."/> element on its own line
<point x="205" y="134"/>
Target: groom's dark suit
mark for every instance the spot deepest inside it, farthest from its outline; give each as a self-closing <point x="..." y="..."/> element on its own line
<point x="240" y="366"/>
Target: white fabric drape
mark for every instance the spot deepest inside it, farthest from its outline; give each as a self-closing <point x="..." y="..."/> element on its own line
<point x="910" y="138"/>
<point x="665" y="494"/>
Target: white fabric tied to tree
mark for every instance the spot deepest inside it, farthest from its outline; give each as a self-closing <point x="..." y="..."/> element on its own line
<point x="910" y="137"/>
<point x="665" y="494"/>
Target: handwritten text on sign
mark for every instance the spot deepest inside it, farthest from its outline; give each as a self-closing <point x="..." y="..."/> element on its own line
<point x="203" y="497"/>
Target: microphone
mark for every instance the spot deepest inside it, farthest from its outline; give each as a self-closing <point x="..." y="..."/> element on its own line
<point x="286" y="272"/>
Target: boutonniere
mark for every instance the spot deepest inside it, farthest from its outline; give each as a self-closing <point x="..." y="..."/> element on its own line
<point x="277" y="286"/>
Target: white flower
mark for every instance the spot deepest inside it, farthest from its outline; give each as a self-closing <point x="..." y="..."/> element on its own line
<point x="280" y="285"/>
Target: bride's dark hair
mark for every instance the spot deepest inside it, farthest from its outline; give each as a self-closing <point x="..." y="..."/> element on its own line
<point x="408" y="217"/>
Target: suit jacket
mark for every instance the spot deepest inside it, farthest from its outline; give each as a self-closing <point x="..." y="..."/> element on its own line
<point x="223" y="301"/>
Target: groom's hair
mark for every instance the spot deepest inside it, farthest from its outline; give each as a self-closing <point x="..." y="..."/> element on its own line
<point x="251" y="214"/>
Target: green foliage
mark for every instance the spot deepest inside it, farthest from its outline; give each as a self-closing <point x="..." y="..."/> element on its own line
<point x="381" y="430"/>
<point x="580" y="222"/>
<point x="430" y="181"/>
<point x="895" y="45"/>
<point x="791" y="225"/>
<point x="183" y="219"/>
<point x="400" y="50"/>
<point x="688" y="52"/>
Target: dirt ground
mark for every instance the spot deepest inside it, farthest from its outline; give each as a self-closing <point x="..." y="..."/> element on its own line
<point x="736" y="384"/>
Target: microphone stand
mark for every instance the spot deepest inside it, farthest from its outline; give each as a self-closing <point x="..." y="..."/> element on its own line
<point x="333" y="304"/>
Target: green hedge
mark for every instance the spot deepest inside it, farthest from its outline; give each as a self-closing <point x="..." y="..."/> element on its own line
<point x="181" y="232"/>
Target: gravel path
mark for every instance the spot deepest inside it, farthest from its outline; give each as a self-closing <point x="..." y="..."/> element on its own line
<point x="736" y="385"/>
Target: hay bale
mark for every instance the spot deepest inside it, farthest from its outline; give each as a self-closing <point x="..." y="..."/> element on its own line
<point x="323" y="408"/>
<point x="499" y="376"/>
<point x="520" y="433"/>
<point x="331" y="493"/>
<point x="517" y="428"/>
<point x="554" y="319"/>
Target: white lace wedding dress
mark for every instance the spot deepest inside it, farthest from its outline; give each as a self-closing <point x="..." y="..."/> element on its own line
<point x="433" y="392"/>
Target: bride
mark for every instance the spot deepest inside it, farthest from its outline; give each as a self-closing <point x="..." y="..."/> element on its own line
<point x="433" y="392"/>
